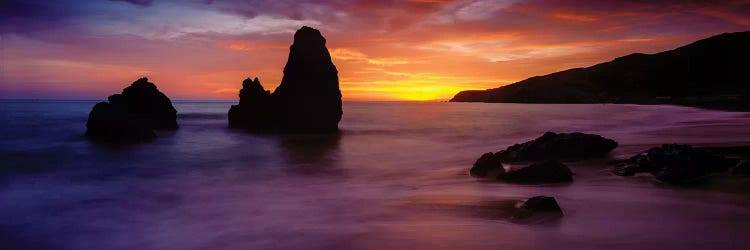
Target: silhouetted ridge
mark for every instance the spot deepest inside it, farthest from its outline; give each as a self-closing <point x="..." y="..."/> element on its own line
<point x="308" y="98"/>
<point x="707" y="73"/>
<point x="133" y="115"/>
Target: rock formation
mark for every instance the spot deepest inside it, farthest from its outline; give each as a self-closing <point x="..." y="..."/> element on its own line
<point x="550" y="146"/>
<point x="674" y="163"/>
<point x="308" y="98"/>
<point x="133" y="115"/>
<point x="554" y="146"/>
<point x="538" y="205"/>
<point x="742" y="168"/>
<point x="487" y="165"/>
<point x="542" y="203"/>
<point x="550" y="171"/>
<point x="253" y="110"/>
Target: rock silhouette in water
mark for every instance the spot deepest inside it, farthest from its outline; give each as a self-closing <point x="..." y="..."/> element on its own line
<point x="253" y="111"/>
<point x="539" y="205"/>
<point x="558" y="146"/>
<point x="742" y="168"/>
<point x="133" y="115"/>
<point x="487" y="164"/>
<point x="550" y="146"/>
<point x="308" y="98"/>
<point x="674" y="163"/>
<point x="550" y="171"/>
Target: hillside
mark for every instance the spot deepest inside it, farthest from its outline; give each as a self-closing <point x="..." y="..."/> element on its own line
<point x="709" y="73"/>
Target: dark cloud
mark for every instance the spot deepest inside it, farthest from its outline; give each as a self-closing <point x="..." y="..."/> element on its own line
<point x="29" y="16"/>
<point x="416" y="20"/>
<point x="31" y="9"/>
<point x="142" y="3"/>
<point x="292" y="9"/>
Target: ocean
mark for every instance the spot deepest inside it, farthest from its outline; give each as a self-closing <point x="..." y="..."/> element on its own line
<point x="395" y="177"/>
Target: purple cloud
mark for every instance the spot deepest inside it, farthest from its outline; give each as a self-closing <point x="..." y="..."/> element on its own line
<point x="142" y="3"/>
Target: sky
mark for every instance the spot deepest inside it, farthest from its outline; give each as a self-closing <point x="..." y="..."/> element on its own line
<point x="384" y="50"/>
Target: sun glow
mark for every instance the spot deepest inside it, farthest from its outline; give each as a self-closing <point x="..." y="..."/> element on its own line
<point x="426" y="93"/>
<point x="383" y="50"/>
<point x="407" y="90"/>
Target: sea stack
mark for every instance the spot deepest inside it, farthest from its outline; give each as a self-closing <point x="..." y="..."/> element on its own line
<point x="132" y="116"/>
<point x="307" y="100"/>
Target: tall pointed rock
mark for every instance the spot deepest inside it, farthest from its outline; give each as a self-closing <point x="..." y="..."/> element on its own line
<point x="308" y="98"/>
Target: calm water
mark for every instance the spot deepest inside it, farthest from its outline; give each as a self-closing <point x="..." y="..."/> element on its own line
<point x="395" y="178"/>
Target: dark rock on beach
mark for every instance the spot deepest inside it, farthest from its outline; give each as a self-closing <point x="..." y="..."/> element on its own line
<point x="487" y="164"/>
<point x="542" y="203"/>
<point x="546" y="151"/>
<point x="308" y="98"/>
<point x="550" y="171"/>
<point x="674" y="163"/>
<point x="536" y="205"/>
<point x="742" y="168"/>
<point x="554" y="146"/>
<point x="132" y="116"/>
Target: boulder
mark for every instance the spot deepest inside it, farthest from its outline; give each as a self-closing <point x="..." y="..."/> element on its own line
<point x="674" y="163"/>
<point x="554" y="146"/>
<point x="487" y="165"/>
<point x="109" y="123"/>
<point x="536" y="205"/>
<point x="546" y="151"/>
<point x="308" y="98"/>
<point x="541" y="203"/>
<point x="132" y="116"/>
<point x="549" y="171"/>
<point x="742" y="168"/>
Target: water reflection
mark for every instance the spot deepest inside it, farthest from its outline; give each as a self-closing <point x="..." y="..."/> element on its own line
<point x="311" y="153"/>
<point x="396" y="179"/>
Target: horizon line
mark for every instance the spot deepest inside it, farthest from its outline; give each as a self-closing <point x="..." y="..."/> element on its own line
<point x="196" y="100"/>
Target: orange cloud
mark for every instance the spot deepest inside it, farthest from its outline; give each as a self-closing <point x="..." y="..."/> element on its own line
<point x="575" y="17"/>
<point x="384" y="50"/>
<point x="356" y="56"/>
<point x="249" y="45"/>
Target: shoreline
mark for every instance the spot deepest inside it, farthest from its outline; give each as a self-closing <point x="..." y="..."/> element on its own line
<point x="711" y="107"/>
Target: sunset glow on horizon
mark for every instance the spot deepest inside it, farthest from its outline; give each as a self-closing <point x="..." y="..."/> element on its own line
<point x="384" y="50"/>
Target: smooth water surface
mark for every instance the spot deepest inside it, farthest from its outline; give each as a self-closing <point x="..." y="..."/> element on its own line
<point x="394" y="178"/>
